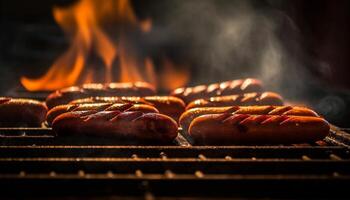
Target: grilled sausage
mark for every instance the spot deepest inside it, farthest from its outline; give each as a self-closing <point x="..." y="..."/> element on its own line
<point x="227" y="129"/>
<point x="69" y="94"/>
<point x="188" y="116"/>
<point x="21" y="112"/>
<point x="167" y="105"/>
<point x="132" y="126"/>
<point x="240" y="86"/>
<point x="248" y="99"/>
<point x="58" y="110"/>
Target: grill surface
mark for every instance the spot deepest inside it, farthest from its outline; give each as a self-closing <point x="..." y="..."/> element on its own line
<point x="36" y="163"/>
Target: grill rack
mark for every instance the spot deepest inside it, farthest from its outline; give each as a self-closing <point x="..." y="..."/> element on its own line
<point x="35" y="162"/>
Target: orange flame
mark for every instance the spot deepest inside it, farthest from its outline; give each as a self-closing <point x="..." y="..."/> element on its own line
<point x="173" y="76"/>
<point x="83" y="23"/>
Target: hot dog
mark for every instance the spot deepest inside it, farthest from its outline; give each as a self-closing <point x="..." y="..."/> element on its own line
<point x="227" y="129"/>
<point x="188" y="116"/>
<point x="240" y="86"/>
<point x="58" y="110"/>
<point x="248" y="99"/>
<point x="69" y="94"/>
<point x="21" y="112"/>
<point x="132" y="126"/>
<point x="167" y="105"/>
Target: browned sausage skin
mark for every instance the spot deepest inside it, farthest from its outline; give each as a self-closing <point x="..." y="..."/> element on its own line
<point x="188" y="116"/>
<point x="69" y="94"/>
<point x="130" y="125"/>
<point x="21" y="112"/>
<point x="227" y="129"/>
<point x="58" y="110"/>
<point x="168" y="105"/>
<point x="248" y="99"/>
<point x="240" y="86"/>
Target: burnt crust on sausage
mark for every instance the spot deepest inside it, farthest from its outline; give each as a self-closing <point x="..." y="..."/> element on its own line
<point x="16" y="112"/>
<point x="220" y="129"/>
<point x="69" y="94"/>
<point x="58" y="110"/>
<point x="127" y="125"/>
<point x="248" y="99"/>
<point x="168" y="105"/>
<point x="188" y="116"/>
<point x="188" y="94"/>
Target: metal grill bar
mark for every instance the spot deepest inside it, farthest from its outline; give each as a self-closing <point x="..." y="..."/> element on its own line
<point x="44" y="164"/>
<point x="181" y="166"/>
<point x="213" y="187"/>
<point x="233" y="152"/>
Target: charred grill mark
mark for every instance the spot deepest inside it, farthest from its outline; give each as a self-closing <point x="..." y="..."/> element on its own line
<point x="235" y="118"/>
<point x="269" y="119"/>
<point x="280" y="111"/>
<point x="217" y="88"/>
<point x="240" y="98"/>
<point x="72" y="108"/>
<point x="269" y="109"/>
<point x="247" y="98"/>
<point x="276" y="118"/>
<point x="121" y="108"/>
<point x="105" y="115"/>
<point x="233" y="109"/>
<point x="127" y="116"/>
<point x="286" y="119"/>
<point x="103" y="107"/>
<point x="241" y="119"/>
<point x="247" y="120"/>
<point x="85" y="114"/>
<point x="261" y="118"/>
<point x="224" y="117"/>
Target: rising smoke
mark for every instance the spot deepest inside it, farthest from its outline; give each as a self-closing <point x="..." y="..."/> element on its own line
<point x="230" y="39"/>
<point x="234" y="39"/>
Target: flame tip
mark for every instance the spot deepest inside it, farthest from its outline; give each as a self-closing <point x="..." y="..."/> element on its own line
<point x="83" y="23"/>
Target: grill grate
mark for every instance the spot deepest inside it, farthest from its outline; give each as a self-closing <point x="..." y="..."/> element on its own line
<point x="35" y="162"/>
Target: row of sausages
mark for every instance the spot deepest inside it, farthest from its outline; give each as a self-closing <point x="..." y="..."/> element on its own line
<point x="247" y="91"/>
<point x="206" y="117"/>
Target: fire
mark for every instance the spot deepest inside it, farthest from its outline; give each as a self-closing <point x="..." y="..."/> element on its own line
<point x="173" y="76"/>
<point x="88" y="26"/>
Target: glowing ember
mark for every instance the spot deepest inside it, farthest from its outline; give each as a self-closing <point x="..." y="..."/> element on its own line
<point x="85" y="24"/>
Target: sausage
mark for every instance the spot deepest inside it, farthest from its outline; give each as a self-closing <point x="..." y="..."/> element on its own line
<point x="58" y="110"/>
<point x="21" y="112"/>
<point x="63" y="96"/>
<point x="97" y="99"/>
<point x="69" y="94"/>
<point x="188" y="116"/>
<point x="167" y="105"/>
<point x="248" y="99"/>
<point x="239" y="86"/>
<point x="227" y="129"/>
<point x="132" y="126"/>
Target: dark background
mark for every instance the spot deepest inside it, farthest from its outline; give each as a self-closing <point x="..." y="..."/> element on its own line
<point x="30" y="41"/>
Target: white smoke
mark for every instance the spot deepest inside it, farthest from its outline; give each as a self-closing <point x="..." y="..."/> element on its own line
<point x="237" y="39"/>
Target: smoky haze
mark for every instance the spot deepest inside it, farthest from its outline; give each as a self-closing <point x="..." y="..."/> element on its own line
<point x="237" y="39"/>
<point x="234" y="39"/>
